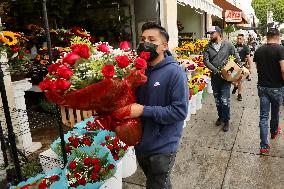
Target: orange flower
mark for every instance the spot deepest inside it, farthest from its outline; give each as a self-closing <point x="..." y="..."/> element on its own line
<point x="43" y="62"/>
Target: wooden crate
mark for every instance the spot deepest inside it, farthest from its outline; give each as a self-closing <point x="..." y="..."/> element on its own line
<point x="70" y="116"/>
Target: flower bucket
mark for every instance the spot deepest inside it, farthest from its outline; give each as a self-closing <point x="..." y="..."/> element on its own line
<point x="189" y="75"/>
<point x="209" y="86"/>
<point x="129" y="165"/>
<point x="193" y="104"/>
<point x="188" y="113"/>
<point x="199" y="100"/>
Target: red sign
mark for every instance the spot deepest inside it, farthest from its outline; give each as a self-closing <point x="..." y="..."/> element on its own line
<point x="233" y="16"/>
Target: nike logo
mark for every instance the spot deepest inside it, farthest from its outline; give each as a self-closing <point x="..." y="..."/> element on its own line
<point x="157" y="84"/>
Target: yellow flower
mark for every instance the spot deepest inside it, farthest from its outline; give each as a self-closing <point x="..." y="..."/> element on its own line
<point x="9" y="38"/>
<point x="43" y="62"/>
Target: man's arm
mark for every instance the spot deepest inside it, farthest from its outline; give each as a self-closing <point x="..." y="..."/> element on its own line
<point x="235" y="53"/>
<point x="207" y="62"/>
<point x="282" y="68"/>
<point x="249" y="62"/>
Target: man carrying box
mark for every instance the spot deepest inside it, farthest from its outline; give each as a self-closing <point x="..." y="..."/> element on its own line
<point x="216" y="55"/>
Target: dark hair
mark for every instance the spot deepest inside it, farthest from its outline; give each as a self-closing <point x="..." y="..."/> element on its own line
<point x="272" y="32"/>
<point x="154" y="25"/>
<point x="240" y="35"/>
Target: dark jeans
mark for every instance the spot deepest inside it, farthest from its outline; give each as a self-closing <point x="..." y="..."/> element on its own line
<point x="221" y="91"/>
<point x="157" y="169"/>
<point x="269" y="97"/>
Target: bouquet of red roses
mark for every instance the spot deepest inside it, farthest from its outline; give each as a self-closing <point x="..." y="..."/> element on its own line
<point x="98" y="77"/>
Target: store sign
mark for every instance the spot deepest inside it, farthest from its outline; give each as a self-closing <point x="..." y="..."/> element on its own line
<point x="233" y="16"/>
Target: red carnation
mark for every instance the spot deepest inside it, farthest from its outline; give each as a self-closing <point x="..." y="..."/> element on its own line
<point x="122" y="61"/>
<point x="71" y="58"/>
<point x="111" y="166"/>
<point x="82" y="50"/>
<point x="87" y="141"/>
<point x="97" y="168"/>
<point x="87" y="161"/>
<point x="103" y="48"/>
<point x="46" y="84"/>
<point x="124" y="45"/>
<point x="64" y="72"/>
<point x="82" y="181"/>
<point x="94" y="176"/>
<point x="140" y="63"/>
<point x="53" y="68"/>
<point x="95" y="161"/>
<point x="108" y="71"/>
<point x="145" y="55"/>
<point x="72" y="165"/>
<point x="61" y="84"/>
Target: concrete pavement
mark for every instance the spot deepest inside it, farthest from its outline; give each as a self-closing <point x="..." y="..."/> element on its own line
<point x="210" y="158"/>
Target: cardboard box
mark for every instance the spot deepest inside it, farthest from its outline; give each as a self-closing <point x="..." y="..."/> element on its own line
<point x="234" y="72"/>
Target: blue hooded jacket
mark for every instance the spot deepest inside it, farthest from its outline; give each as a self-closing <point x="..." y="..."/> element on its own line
<point x="165" y="99"/>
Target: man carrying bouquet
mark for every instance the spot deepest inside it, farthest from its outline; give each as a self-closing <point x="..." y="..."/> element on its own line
<point x="216" y="55"/>
<point x="269" y="60"/>
<point x="162" y="104"/>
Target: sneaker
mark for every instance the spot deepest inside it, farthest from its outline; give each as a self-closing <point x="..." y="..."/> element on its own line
<point x="275" y="136"/>
<point x="226" y="127"/>
<point x="264" y="150"/>
<point x="234" y="90"/>
<point x="219" y="122"/>
<point x="240" y="98"/>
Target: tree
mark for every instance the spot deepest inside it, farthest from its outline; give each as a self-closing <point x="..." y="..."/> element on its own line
<point x="282" y="31"/>
<point x="262" y="6"/>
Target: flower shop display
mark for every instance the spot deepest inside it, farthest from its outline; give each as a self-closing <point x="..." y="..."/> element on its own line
<point x="98" y="77"/>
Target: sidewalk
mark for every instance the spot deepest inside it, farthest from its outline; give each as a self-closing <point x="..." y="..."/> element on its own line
<point x="210" y="158"/>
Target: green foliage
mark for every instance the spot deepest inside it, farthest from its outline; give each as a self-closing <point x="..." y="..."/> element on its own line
<point x="282" y="30"/>
<point x="229" y="29"/>
<point x="262" y="6"/>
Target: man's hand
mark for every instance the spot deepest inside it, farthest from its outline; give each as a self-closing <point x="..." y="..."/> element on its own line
<point x="136" y="111"/>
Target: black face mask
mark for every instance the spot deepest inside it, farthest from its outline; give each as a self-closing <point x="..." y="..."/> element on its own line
<point x="148" y="47"/>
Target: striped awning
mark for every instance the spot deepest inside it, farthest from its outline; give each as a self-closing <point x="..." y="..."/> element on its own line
<point x="203" y="5"/>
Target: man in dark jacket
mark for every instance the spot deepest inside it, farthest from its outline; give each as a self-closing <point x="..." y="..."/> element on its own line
<point x="216" y="55"/>
<point x="162" y="104"/>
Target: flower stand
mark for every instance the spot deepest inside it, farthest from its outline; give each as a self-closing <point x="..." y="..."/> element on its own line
<point x="199" y="100"/>
<point x="193" y="104"/>
<point x="129" y="165"/>
<point x="209" y="87"/>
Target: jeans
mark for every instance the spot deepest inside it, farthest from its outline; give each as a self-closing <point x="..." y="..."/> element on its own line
<point x="221" y="91"/>
<point x="157" y="169"/>
<point x="269" y="97"/>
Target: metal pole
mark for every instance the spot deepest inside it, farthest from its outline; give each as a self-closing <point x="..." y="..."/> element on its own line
<point x="47" y="31"/>
<point x="11" y="134"/>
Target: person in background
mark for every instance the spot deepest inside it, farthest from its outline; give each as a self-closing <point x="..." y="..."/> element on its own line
<point x="269" y="60"/>
<point x="162" y="104"/>
<point x="246" y="60"/>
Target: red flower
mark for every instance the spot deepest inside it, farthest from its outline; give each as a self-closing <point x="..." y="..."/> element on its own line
<point x="140" y="63"/>
<point x="71" y="139"/>
<point x="82" y="50"/>
<point x="103" y="48"/>
<point x="125" y="148"/>
<point x="115" y="140"/>
<point x="61" y="84"/>
<point x="15" y="49"/>
<point x="95" y="161"/>
<point x="107" y="138"/>
<point x="108" y="71"/>
<point x="77" y="175"/>
<point x="72" y="165"/>
<point x="103" y="144"/>
<point x="21" y="57"/>
<point x="46" y="84"/>
<point x="42" y="185"/>
<point x="94" y="176"/>
<point x="64" y="72"/>
<point x="87" y="141"/>
<point x="115" y="157"/>
<point x="97" y="168"/>
<point x="122" y="61"/>
<point x="54" y="178"/>
<point x="53" y="68"/>
<point x="82" y="181"/>
<point x="124" y="45"/>
<point x="68" y="149"/>
<point x="71" y="58"/>
<point x="145" y="55"/>
<point x="27" y="51"/>
<point x="111" y="166"/>
<point x="116" y="147"/>
<point x="87" y="161"/>
<point x="110" y="147"/>
<point x="76" y="143"/>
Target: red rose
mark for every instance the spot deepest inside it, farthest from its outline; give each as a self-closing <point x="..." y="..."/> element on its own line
<point x="111" y="166"/>
<point x="42" y="185"/>
<point x="108" y="71"/>
<point x="115" y="157"/>
<point x="145" y="55"/>
<point x="97" y="168"/>
<point x="15" y="49"/>
<point x="75" y="143"/>
<point x="21" y="57"/>
<point x="71" y="58"/>
<point x="54" y="178"/>
<point x="116" y="147"/>
<point x="103" y="144"/>
<point x="116" y="140"/>
<point x="103" y="48"/>
<point x="140" y="63"/>
<point x="125" y="148"/>
<point x="94" y="176"/>
<point x="27" y="51"/>
<point x="64" y="72"/>
<point x="110" y="147"/>
<point x="107" y="138"/>
<point x="87" y="161"/>
<point x="124" y="45"/>
<point x="62" y="84"/>
<point x="68" y="149"/>
<point x="77" y="175"/>
<point x="95" y="161"/>
<point x="71" y="139"/>
<point x="72" y="165"/>
<point x="53" y="68"/>
<point x="122" y="61"/>
<point x="82" y="181"/>
<point x="46" y="84"/>
<point x="87" y="141"/>
<point x="82" y="50"/>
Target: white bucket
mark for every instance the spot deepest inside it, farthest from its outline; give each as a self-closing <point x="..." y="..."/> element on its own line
<point x="129" y="165"/>
<point x="193" y="104"/>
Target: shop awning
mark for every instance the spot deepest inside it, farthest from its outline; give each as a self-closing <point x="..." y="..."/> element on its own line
<point x="226" y="5"/>
<point x="203" y="5"/>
